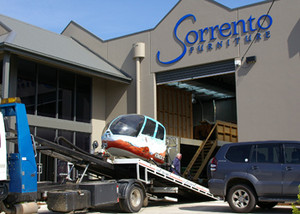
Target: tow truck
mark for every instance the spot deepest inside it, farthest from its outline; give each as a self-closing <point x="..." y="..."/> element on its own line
<point x="127" y="182"/>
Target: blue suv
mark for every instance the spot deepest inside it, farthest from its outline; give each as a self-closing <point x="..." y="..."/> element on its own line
<point x="256" y="173"/>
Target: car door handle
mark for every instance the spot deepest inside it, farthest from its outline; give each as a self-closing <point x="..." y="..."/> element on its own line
<point x="288" y="168"/>
<point x="254" y="167"/>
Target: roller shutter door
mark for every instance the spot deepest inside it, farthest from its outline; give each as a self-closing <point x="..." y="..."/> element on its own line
<point x="195" y="72"/>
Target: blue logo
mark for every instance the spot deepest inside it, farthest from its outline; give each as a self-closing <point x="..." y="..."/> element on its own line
<point x="210" y="33"/>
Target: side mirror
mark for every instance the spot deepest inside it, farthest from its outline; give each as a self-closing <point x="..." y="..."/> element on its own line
<point x="95" y="144"/>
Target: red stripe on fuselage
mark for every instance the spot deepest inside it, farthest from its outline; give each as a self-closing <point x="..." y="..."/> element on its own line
<point x="139" y="151"/>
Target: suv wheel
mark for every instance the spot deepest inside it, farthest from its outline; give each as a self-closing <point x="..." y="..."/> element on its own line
<point x="241" y="198"/>
<point x="267" y="205"/>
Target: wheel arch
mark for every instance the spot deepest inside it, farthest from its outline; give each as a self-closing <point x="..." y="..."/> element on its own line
<point x="124" y="185"/>
<point x="235" y="181"/>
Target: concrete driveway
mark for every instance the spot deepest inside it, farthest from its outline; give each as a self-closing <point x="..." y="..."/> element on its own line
<point x="214" y="207"/>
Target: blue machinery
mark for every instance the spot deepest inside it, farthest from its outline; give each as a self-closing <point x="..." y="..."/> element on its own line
<point x="22" y="164"/>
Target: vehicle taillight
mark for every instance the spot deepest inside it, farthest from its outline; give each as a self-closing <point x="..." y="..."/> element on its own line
<point x="213" y="165"/>
<point x="118" y="199"/>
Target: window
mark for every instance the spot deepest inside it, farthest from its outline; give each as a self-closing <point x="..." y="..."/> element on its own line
<point x="149" y="128"/>
<point x="83" y="141"/>
<point x="47" y="80"/>
<point x="160" y="132"/>
<point x="129" y="125"/>
<point x="26" y="86"/>
<point x="51" y="92"/>
<point x="63" y="166"/>
<point x="46" y="162"/>
<point x="292" y="153"/>
<point x="239" y="153"/>
<point x="266" y="153"/>
<point x="66" y="95"/>
<point x="83" y="99"/>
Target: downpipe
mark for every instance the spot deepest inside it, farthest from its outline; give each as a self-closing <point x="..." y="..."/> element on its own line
<point x="138" y="55"/>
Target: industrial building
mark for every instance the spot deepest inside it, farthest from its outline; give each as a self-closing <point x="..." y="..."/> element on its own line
<point x="202" y="63"/>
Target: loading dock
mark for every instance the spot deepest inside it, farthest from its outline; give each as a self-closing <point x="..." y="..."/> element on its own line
<point x="192" y="103"/>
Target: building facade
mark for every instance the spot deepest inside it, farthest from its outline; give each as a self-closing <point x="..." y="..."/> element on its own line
<point x="250" y="54"/>
<point x="202" y="63"/>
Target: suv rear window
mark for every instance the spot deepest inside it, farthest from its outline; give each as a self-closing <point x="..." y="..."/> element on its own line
<point x="240" y="153"/>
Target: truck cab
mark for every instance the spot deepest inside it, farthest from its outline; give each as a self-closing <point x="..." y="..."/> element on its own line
<point x="18" y="170"/>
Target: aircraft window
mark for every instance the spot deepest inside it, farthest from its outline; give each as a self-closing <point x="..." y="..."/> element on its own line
<point x="149" y="128"/>
<point x="129" y="125"/>
<point x="160" y="132"/>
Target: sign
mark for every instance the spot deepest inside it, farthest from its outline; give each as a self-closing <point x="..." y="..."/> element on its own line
<point x="206" y="38"/>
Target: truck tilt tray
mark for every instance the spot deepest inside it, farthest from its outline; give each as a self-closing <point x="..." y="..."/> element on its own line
<point x="156" y="179"/>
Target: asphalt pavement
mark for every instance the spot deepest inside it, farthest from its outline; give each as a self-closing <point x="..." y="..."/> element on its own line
<point x="214" y="207"/>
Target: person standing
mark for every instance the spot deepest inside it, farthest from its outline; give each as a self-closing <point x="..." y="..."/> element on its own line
<point x="176" y="165"/>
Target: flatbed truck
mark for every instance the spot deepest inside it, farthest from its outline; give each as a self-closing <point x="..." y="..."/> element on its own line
<point x="127" y="182"/>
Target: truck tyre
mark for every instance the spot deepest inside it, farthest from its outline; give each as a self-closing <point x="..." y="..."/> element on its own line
<point x="241" y="198"/>
<point x="146" y="201"/>
<point x="3" y="191"/>
<point x="134" y="199"/>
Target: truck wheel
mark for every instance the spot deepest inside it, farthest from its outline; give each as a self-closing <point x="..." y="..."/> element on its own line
<point x="146" y="201"/>
<point x="3" y="192"/>
<point x="241" y="198"/>
<point x="134" y="200"/>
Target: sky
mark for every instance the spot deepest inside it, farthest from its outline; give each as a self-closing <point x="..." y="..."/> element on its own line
<point x="106" y="19"/>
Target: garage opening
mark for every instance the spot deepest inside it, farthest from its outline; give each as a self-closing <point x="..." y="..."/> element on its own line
<point x="190" y="103"/>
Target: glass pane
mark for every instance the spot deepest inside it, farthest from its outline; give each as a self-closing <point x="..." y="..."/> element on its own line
<point x="66" y="95"/>
<point x="160" y="132"/>
<point x="26" y="84"/>
<point x="68" y="135"/>
<point x="239" y="153"/>
<point x="47" y="162"/>
<point x="62" y="166"/>
<point x="83" y="141"/>
<point x="83" y="99"/>
<point x="47" y="91"/>
<point x="149" y="128"/>
<point x="129" y="125"/>
<point x="292" y="153"/>
<point x="266" y="153"/>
